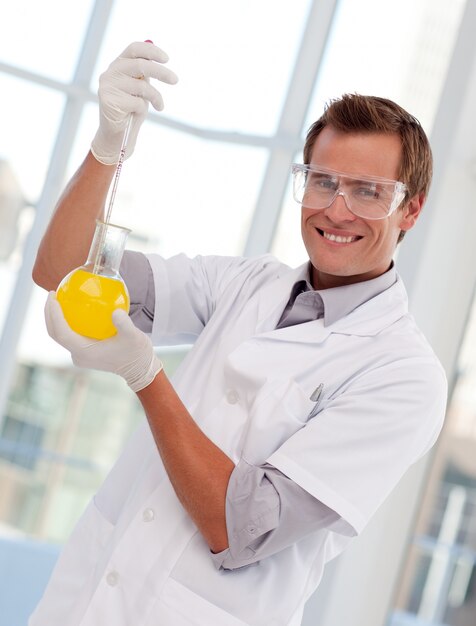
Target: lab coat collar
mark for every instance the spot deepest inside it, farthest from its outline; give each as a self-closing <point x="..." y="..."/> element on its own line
<point x="275" y="295"/>
<point x="368" y="319"/>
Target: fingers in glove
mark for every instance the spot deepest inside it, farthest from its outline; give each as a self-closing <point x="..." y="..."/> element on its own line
<point x="127" y="103"/>
<point x="48" y="316"/>
<point x="54" y="318"/>
<point x="123" y="323"/>
<point x="145" y="50"/>
<point x="58" y="328"/>
<point x="139" y="69"/>
<point x="141" y="90"/>
<point x="144" y="60"/>
<point x="129" y="81"/>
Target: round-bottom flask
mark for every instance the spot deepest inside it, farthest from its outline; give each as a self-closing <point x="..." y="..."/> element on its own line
<point x="89" y="294"/>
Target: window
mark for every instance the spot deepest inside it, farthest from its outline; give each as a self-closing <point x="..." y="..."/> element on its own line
<point x="438" y="586"/>
<point x="61" y="429"/>
<point x="20" y="441"/>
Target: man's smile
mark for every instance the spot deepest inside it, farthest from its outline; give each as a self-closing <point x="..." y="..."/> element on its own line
<point x="338" y="237"/>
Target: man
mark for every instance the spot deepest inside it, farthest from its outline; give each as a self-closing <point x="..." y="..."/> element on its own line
<point x="306" y="396"/>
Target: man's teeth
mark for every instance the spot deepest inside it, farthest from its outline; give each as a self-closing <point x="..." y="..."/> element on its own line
<point x="338" y="238"/>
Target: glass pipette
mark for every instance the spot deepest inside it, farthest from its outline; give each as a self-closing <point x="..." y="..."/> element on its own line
<point x="97" y="262"/>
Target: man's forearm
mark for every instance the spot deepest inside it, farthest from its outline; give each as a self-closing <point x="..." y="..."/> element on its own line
<point x="198" y="470"/>
<point x="66" y="242"/>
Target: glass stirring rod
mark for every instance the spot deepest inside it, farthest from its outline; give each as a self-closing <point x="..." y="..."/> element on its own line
<point x="115" y="183"/>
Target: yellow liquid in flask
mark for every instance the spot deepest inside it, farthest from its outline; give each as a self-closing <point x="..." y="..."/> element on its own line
<point x="88" y="301"/>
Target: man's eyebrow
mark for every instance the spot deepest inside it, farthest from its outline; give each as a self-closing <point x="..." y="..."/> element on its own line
<point x="323" y="173"/>
<point x="364" y="180"/>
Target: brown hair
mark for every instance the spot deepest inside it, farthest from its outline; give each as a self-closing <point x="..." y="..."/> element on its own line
<point x="353" y="113"/>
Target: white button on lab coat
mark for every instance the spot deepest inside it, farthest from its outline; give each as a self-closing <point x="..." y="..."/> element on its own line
<point x="232" y="396"/>
<point x="249" y="387"/>
<point x="112" y="579"/>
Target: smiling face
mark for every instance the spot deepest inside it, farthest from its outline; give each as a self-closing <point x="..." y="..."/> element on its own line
<point x="342" y="247"/>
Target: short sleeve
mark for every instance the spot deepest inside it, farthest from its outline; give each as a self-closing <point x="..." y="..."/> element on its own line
<point x="267" y="512"/>
<point x="188" y="291"/>
<point x="137" y="274"/>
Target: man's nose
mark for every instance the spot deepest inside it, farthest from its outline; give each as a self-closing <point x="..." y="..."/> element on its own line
<point x="339" y="210"/>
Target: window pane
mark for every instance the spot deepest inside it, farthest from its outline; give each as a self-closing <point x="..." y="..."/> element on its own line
<point x="393" y="57"/>
<point x="438" y="585"/>
<point x="61" y="432"/>
<point x="27" y="41"/>
<point x="179" y="193"/>
<point x="288" y="245"/>
<point x="234" y="60"/>
<point x="28" y="132"/>
<point x="28" y="125"/>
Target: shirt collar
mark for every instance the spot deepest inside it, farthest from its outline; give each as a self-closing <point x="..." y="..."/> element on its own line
<point x="340" y="301"/>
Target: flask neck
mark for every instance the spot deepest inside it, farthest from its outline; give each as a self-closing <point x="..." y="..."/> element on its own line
<point x="107" y="249"/>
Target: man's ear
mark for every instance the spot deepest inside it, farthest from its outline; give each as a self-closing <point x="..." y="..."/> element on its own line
<point x="410" y="212"/>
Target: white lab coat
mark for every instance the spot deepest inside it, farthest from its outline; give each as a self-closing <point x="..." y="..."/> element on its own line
<point x="136" y="558"/>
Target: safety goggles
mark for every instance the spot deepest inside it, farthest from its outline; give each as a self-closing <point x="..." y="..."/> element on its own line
<point x="370" y="197"/>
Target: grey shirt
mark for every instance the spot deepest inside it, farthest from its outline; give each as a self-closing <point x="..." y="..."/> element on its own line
<point x="265" y="510"/>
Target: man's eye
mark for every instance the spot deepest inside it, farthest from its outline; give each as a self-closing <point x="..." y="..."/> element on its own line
<point x="368" y="192"/>
<point x="323" y="182"/>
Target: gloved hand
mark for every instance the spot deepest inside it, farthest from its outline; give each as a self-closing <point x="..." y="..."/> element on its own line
<point x="125" y="88"/>
<point x="129" y="353"/>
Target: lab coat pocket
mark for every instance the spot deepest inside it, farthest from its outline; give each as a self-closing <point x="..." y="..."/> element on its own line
<point x="281" y="409"/>
<point x="88" y="541"/>
<point x="183" y="607"/>
<point x="104" y="527"/>
<point x="76" y="568"/>
<point x="90" y="536"/>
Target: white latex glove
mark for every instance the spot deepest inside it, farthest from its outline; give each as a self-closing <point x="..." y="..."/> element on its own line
<point x="129" y="353"/>
<point x="124" y="88"/>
